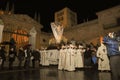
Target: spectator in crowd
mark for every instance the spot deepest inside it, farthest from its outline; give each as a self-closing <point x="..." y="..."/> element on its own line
<point x="112" y="45"/>
<point x="88" y="57"/>
<point x="21" y="57"/>
<point x="2" y="56"/>
<point x="28" y="53"/>
<point x="12" y="55"/>
<point x="35" y="57"/>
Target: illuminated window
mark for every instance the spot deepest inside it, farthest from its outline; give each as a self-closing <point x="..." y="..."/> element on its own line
<point x="20" y="36"/>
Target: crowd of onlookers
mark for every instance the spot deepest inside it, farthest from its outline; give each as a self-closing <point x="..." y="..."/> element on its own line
<point x="23" y="56"/>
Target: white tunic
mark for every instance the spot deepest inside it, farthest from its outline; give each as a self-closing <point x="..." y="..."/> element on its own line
<point x="103" y="61"/>
<point x="61" y="63"/>
<point x="70" y="61"/>
<point x="79" y="58"/>
<point x="44" y="58"/>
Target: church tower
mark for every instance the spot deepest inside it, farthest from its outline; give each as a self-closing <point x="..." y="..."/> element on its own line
<point x="66" y="17"/>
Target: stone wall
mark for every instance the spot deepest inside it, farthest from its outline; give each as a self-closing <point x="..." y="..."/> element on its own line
<point x="84" y="32"/>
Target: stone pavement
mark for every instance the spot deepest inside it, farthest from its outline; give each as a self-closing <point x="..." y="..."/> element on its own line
<point x="52" y="73"/>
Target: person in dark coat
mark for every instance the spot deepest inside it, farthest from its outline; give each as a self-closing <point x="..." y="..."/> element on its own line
<point x="35" y="57"/>
<point x="2" y="56"/>
<point x="21" y="57"/>
<point x="12" y="55"/>
<point x="88" y="57"/>
<point x="28" y="53"/>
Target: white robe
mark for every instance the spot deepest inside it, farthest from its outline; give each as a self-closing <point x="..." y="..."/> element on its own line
<point x="61" y="63"/>
<point x="70" y="61"/>
<point x="44" y="58"/>
<point x="103" y="61"/>
<point x="79" y="58"/>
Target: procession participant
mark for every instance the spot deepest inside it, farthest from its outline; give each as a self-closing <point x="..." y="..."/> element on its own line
<point x="61" y="63"/>
<point x="44" y="57"/>
<point x="70" y="61"/>
<point x="79" y="57"/>
<point x="103" y="61"/>
<point x="66" y="56"/>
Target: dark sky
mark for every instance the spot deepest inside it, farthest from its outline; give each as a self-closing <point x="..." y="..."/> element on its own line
<point x="46" y="8"/>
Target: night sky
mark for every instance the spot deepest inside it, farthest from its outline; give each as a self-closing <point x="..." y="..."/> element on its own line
<point x="85" y="9"/>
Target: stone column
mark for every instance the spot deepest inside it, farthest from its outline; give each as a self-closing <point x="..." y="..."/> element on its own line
<point x="1" y="32"/>
<point x="32" y="38"/>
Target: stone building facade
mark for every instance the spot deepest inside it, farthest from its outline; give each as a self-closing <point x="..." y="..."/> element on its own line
<point x="22" y="28"/>
<point x="109" y="19"/>
<point x="90" y="31"/>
